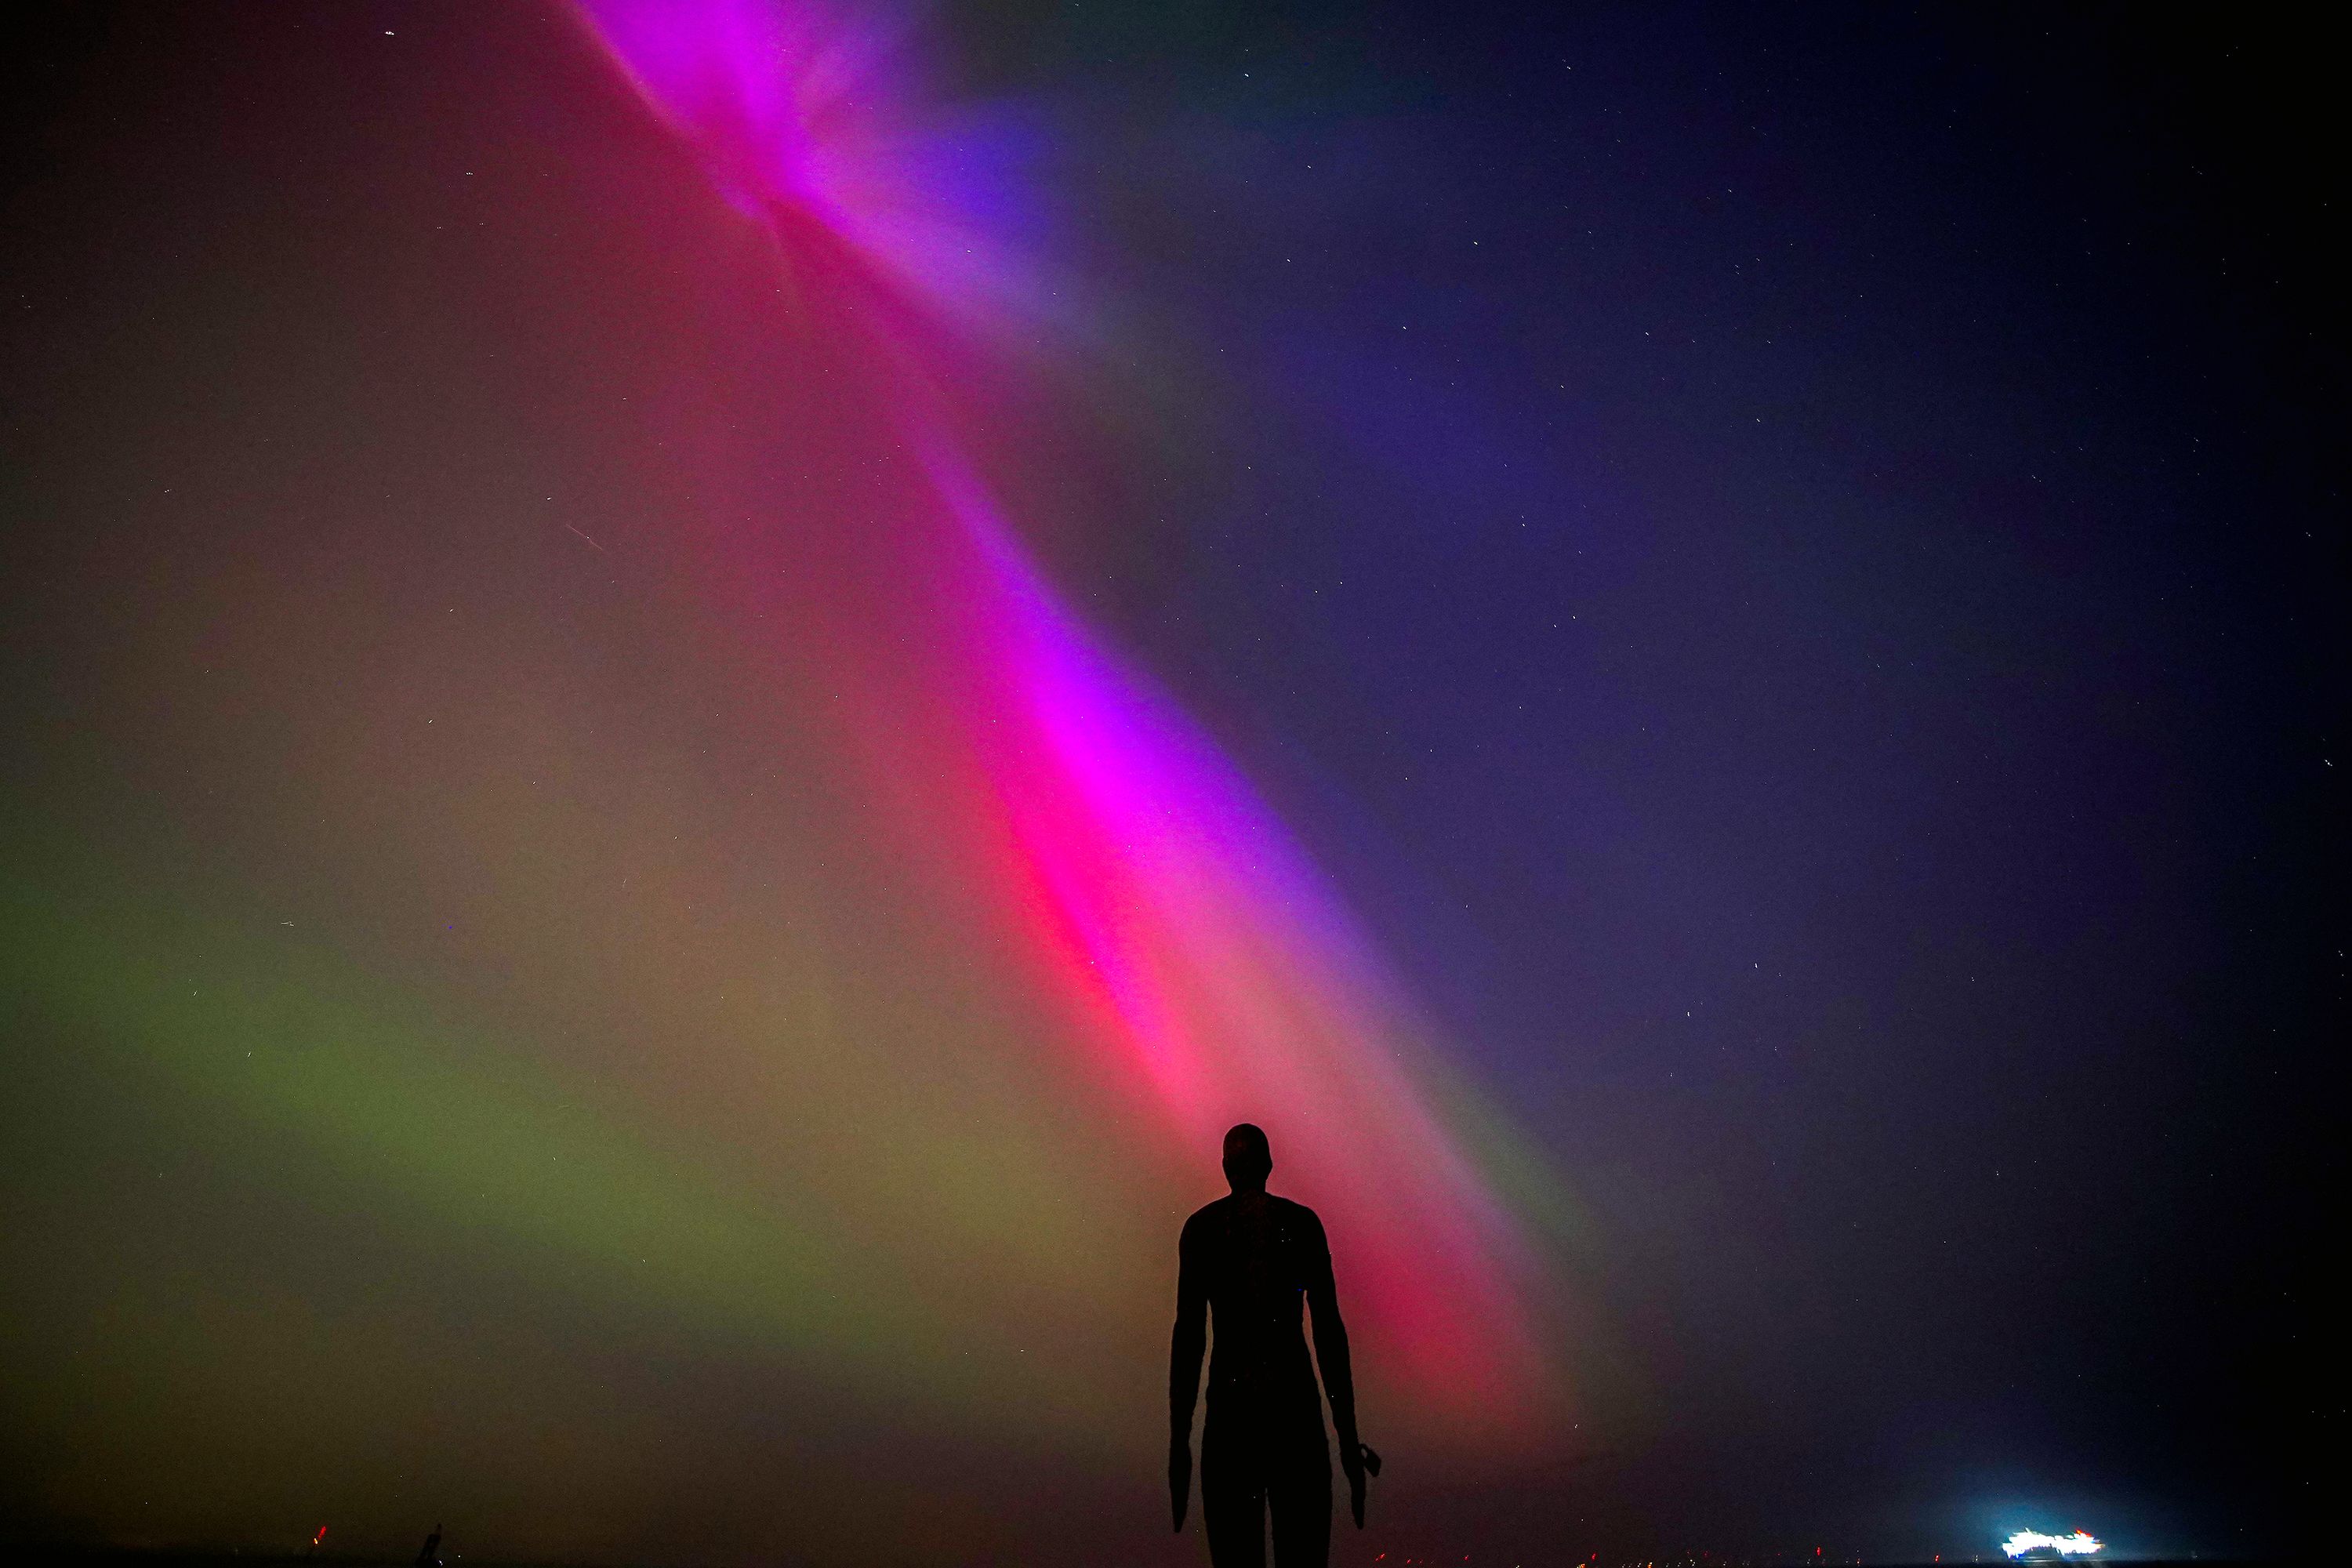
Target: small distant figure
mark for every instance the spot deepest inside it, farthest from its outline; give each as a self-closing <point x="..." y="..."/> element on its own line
<point x="429" y="1554"/>
<point x="1249" y="1260"/>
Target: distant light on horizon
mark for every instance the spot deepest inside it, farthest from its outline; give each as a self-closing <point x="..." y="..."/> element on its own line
<point x="2082" y="1543"/>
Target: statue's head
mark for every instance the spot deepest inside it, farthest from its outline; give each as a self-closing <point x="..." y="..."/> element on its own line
<point x="1248" y="1158"/>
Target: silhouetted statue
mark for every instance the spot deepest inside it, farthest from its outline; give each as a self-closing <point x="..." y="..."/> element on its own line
<point x="1247" y="1261"/>
<point x="429" y="1554"/>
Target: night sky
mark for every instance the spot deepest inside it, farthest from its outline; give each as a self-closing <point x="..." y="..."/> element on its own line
<point x="694" y="690"/>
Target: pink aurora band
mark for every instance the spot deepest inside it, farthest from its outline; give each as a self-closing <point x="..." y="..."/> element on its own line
<point x="1143" y="889"/>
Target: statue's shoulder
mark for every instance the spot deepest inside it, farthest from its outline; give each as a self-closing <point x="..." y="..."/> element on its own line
<point x="1208" y="1216"/>
<point x="1297" y="1216"/>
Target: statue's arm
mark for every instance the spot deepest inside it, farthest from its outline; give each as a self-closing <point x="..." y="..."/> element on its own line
<point x="1184" y="1352"/>
<point x="1190" y="1342"/>
<point x="1330" y="1338"/>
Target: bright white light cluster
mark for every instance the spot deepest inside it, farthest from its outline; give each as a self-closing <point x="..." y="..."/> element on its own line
<point x="2082" y="1543"/>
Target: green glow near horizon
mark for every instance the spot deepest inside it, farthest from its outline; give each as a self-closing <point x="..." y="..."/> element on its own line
<point x="446" y="1125"/>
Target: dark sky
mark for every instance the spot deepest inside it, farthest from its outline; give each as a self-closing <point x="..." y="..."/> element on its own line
<point x="1789" y="568"/>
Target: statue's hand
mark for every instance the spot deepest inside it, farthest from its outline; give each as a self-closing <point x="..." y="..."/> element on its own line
<point x="1180" y="1478"/>
<point x="1358" y="1459"/>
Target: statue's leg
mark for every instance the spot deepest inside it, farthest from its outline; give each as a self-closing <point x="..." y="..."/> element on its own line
<point x="1298" y="1495"/>
<point x="1233" y="1496"/>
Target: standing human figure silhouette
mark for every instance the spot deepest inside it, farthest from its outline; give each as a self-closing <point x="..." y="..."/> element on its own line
<point x="1247" y="1261"/>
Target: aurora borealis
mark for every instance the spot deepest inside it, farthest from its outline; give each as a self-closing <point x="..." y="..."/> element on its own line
<point x="699" y="686"/>
<point x="646" y="1061"/>
<point x="1138" y="884"/>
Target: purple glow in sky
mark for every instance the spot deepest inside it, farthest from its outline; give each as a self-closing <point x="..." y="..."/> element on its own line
<point x="1166" y="909"/>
